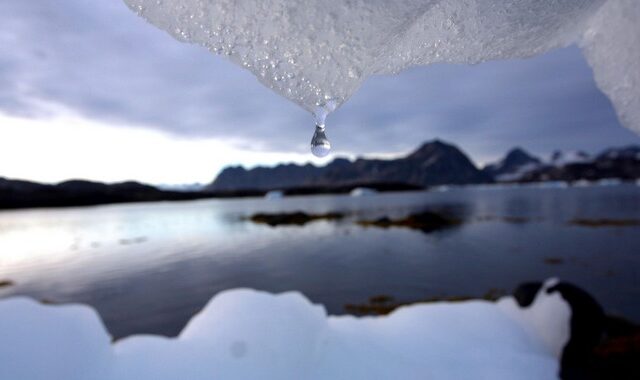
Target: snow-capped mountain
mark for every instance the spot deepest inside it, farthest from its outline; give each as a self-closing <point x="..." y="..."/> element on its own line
<point x="559" y="158"/>
<point x="621" y="163"/>
<point x="520" y="166"/>
<point x="626" y="152"/>
<point x="516" y="163"/>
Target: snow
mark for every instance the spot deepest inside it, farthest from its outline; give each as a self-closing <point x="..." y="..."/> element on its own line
<point x="362" y="192"/>
<point x="609" y="182"/>
<point x="52" y="342"/>
<point x="518" y="173"/>
<point x="274" y="194"/>
<point x="319" y="52"/>
<point x="248" y="334"/>
<point x="559" y="158"/>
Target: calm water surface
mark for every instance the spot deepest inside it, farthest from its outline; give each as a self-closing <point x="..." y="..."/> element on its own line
<point x="149" y="267"/>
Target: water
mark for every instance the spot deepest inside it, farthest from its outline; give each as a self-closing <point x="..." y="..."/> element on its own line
<point x="320" y="145"/>
<point x="149" y="267"/>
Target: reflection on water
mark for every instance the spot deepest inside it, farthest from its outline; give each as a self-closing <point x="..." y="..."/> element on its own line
<point x="148" y="267"/>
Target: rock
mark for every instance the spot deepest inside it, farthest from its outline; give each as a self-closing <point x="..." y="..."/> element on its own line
<point x="424" y="221"/>
<point x="295" y="218"/>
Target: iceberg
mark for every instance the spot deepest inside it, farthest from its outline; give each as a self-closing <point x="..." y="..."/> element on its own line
<point x="317" y="53"/>
<point x="249" y="334"/>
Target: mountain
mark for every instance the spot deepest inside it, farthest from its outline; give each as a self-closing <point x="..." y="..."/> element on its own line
<point x="560" y="158"/>
<point x="21" y="194"/>
<point x="433" y="163"/>
<point x="569" y="166"/>
<point x="264" y="178"/>
<point x="627" y="152"/>
<point x="621" y="163"/>
<point x="512" y="166"/>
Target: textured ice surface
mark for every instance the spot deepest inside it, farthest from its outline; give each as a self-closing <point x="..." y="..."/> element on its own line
<point x="246" y="334"/>
<point x="312" y="51"/>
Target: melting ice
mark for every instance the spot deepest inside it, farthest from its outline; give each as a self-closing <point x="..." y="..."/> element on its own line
<point x="246" y="334"/>
<point x="312" y="50"/>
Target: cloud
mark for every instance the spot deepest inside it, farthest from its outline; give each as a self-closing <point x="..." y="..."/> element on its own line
<point x="65" y="147"/>
<point x="103" y="62"/>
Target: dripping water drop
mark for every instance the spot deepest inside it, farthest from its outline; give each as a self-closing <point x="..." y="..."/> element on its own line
<point x="320" y="145"/>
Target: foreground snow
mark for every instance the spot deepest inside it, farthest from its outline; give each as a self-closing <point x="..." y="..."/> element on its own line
<point x="247" y="334"/>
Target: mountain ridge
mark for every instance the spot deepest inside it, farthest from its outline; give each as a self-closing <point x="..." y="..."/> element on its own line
<point x="433" y="163"/>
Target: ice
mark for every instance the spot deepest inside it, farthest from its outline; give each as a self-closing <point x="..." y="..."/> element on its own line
<point x="611" y="44"/>
<point x="52" y="342"/>
<point x="248" y="334"/>
<point x="318" y="51"/>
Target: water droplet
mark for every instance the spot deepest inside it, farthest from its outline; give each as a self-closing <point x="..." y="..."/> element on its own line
<point x="320" y="145"/>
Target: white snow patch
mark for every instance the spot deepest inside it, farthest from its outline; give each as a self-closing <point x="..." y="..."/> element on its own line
<point x="362" y="192"/>
<point x="560" y="159"/>
<point x="248" y="334"/>
<point x="274" y="194"/>
<point x="518" y="173"/>
<point x="44" y="342"/>
<point x="609" y="182"/>
<point x="316" y="52"/>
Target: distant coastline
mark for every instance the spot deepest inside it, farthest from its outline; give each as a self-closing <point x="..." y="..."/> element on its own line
<point x="17" y="194"/>
<point x="434" y="165"/>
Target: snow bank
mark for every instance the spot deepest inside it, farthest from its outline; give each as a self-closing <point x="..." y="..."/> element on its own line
<point x="39" y="342"/>
<point x="314" y="51"/>
<point x="247" y="334"/>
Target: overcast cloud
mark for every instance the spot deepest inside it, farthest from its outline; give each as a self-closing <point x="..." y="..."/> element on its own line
<point x="100" y="60"/>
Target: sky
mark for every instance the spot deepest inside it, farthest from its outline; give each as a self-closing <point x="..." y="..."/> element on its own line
<point x="90" y="90"/>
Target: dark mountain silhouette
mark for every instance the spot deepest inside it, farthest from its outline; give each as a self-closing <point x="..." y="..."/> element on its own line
<point x="434" y="163"/>
<point x="22" y="194"/>
<point x="516" y="161"/>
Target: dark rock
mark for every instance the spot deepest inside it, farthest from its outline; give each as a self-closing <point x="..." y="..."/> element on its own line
<point x="587" y="326"/>
<point x="294" y="218"/>
<point x="525" y="293"/>
<point x="425" y="221"/>
<point x="618" y="355"/>
<point x="384" y="304"/>
<point x="600" y="347"/>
